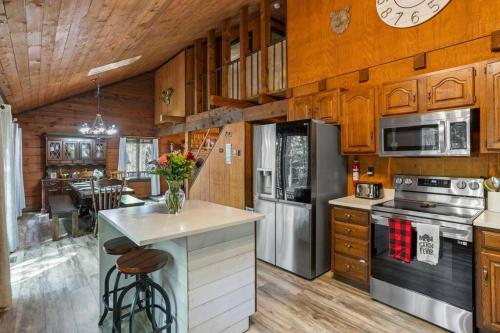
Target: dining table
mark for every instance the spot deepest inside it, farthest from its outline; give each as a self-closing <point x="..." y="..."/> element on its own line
<point x="83" y="189"/>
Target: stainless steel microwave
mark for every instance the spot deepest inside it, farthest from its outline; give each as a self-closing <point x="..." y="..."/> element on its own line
<point x="444" y="133"/>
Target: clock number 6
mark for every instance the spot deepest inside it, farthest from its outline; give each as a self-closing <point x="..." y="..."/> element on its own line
<point x="434" y="6"/>
<point x="386" y="12"/>
<point x="414" y="17"/>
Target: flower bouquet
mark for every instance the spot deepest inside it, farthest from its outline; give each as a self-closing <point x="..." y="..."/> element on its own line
<point x="174" y="167"/>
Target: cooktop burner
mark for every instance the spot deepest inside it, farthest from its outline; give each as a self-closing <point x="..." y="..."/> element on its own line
<point x="413" y="207"/>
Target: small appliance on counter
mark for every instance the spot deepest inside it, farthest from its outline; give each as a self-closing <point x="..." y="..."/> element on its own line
<point x="369" y="190"/>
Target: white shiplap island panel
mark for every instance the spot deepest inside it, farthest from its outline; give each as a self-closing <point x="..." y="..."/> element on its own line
<point x="211" y="275"/>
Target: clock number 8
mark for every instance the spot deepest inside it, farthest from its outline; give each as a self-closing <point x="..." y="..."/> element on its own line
<point x="386" y="12"/>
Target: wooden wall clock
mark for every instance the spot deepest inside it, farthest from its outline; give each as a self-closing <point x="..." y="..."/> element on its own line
<point x="408" y="13"/>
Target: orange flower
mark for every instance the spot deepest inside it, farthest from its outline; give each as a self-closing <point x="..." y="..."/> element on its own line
<point x="163" y="159"/>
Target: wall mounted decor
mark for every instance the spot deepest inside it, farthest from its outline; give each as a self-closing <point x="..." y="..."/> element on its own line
<point x="340" y="20"/>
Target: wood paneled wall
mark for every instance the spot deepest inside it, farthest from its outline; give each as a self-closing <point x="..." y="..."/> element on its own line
<point x="128" y="104"/>
<point x="315" y="52"/>
<point x="219" y="182"/>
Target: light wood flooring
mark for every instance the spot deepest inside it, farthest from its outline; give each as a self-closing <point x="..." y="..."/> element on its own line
<point x="55" y="288"/>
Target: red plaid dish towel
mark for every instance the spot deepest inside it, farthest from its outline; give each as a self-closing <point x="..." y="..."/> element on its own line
<point x="400" y="239"/>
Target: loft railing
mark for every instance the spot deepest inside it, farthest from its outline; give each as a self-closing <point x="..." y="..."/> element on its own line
<point x="253" y="73"/>
<point x="233" y="79"/>
<point x="277" y="65"/>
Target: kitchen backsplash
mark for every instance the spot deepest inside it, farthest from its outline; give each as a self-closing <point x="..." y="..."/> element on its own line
<point x="483" y="165"/>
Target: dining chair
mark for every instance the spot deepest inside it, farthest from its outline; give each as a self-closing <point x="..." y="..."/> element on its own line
<point x="106" y="194"/>
<point x="121" y="175"/>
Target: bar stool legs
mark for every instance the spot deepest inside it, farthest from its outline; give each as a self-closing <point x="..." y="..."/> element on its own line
<point x="144" y="284"/>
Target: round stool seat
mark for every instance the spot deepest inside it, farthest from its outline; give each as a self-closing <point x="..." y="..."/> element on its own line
<point x="119" y="245"/>
<point x="142" y="261"/>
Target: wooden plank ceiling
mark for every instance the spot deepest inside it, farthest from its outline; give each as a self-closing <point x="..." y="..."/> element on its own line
<point x="47" y="47"/>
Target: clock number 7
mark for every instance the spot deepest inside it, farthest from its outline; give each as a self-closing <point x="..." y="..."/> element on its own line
<point x="399" y="17"/>
<point x="434" y="6"/>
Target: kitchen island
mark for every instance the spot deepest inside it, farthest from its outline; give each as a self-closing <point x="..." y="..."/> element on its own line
<point x="210" y="277"/>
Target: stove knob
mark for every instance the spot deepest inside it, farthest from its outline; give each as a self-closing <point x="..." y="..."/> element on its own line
<point x="399" y="180"/>
<point x="474" y="186"/>
<point x="408" y="181"/>
<point x="461" y="184"/>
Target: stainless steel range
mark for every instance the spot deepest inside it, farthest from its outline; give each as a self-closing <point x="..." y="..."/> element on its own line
<point x="441" y="293"/>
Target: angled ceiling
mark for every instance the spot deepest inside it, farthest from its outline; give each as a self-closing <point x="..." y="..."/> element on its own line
<point x="47" y="47"/>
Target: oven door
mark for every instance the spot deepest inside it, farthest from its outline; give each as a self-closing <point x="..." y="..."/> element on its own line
<point x="450" y="281"/>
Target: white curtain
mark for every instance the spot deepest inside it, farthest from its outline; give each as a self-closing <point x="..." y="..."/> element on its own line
<point x="7" y="211"/>
<point x="18" y="169"/>
<point x="122" y="155"/>
<point x="9" y="183"/>
<point x="155" y="179"/>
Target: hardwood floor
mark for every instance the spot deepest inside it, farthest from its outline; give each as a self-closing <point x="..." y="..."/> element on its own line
<point x="55" y="288"/>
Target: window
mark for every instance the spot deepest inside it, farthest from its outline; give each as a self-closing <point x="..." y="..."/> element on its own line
<point x="139" y="153"/>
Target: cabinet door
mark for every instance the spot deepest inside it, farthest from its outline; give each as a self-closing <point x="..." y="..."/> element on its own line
<point x="493" y="105"/>
<point x="99" y="150"/>
<point x="301" y="108"/>
<point x="54" y="151"/>
<point x="358" y="121"/>
<point x="86" y="151"/>
<point x="490" y="278"/>
<point x="399" y="98"/>
<point x="70" y="151"/>
<point x="326" y="106"/>
<point x="451" y="89"/>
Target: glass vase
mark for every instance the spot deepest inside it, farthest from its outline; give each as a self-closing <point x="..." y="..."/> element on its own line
<point x="174" y="196"/>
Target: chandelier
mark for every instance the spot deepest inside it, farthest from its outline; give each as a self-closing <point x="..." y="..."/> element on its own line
<point x="99" y="127"/>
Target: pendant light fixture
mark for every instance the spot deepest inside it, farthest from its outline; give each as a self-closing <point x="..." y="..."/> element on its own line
<point x="99" y="128"/>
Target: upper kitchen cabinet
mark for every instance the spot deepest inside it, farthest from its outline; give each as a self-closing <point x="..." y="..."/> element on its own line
<point x="170" y="89"/>
<point x="492" y="104"/>
<point x="358" y="121"/>
<point x="399" y="98"/>
<point x="300" y="108"/>
<point x="326" y="106"/>
<point x="454" y="88"/>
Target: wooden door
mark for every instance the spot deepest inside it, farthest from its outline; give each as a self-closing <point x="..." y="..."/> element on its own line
<point x="54" y="151"/>
<point x="301" y="108"/>
<point x="358" y="121"/>
<point x="490" y="293"/>
<point x="326" y="106"/>
<point x="399" y="98"/>
<point x="451" y="89"/>
<point x="493" y="105"/>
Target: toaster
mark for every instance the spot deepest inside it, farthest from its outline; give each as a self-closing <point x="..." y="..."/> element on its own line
<point x="368" y="190"/>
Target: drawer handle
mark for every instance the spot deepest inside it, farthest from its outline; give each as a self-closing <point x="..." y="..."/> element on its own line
<point x="348" y="245"/>
<point x="349" y="216"/>
<point x="348" y="230"/>
<point x="485" y="275"/>
<point x="349" y="266"/>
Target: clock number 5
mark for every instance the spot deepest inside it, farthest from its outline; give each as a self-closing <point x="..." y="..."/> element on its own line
<point x="434" y="6"/>
<point x="414" y="17"/>
<point x="386" y="12"/>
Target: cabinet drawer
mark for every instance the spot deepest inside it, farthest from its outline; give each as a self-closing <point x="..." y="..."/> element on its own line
<point x="351" y="247"/>
<point x="490" y="240"/>
<point x="355" y="269"/>
<point x="351" y="215"/>
<point x="350" y="229"/>
<point x="52" y="184"/>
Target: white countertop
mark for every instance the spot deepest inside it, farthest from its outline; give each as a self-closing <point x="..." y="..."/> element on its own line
<point x="488" y="219"/>
<point x="151" y="224"/>
<point x="353" y="202"/>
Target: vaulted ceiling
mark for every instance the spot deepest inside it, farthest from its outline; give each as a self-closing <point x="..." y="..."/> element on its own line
<point x="47" y="47"/>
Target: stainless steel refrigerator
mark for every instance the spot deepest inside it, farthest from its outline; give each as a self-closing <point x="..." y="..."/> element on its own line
<point x="308" y="171"/>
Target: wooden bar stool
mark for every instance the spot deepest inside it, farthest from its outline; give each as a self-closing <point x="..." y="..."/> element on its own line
<point x="115" y="246"/>
<point x="140" y="263"/>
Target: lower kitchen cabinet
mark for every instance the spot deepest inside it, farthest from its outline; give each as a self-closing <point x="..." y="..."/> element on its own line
<point x="488" y="279"/>
<point x="351" y="246"/>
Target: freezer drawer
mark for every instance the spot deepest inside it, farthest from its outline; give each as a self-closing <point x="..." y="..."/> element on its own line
<point x="294" y="238"/>
<point x="266" y="230"/>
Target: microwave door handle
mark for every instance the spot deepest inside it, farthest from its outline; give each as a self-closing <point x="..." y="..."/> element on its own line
<point x="443" y="138"/>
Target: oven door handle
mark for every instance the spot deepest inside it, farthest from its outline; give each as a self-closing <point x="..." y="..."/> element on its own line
<point x="446" y="232"/>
